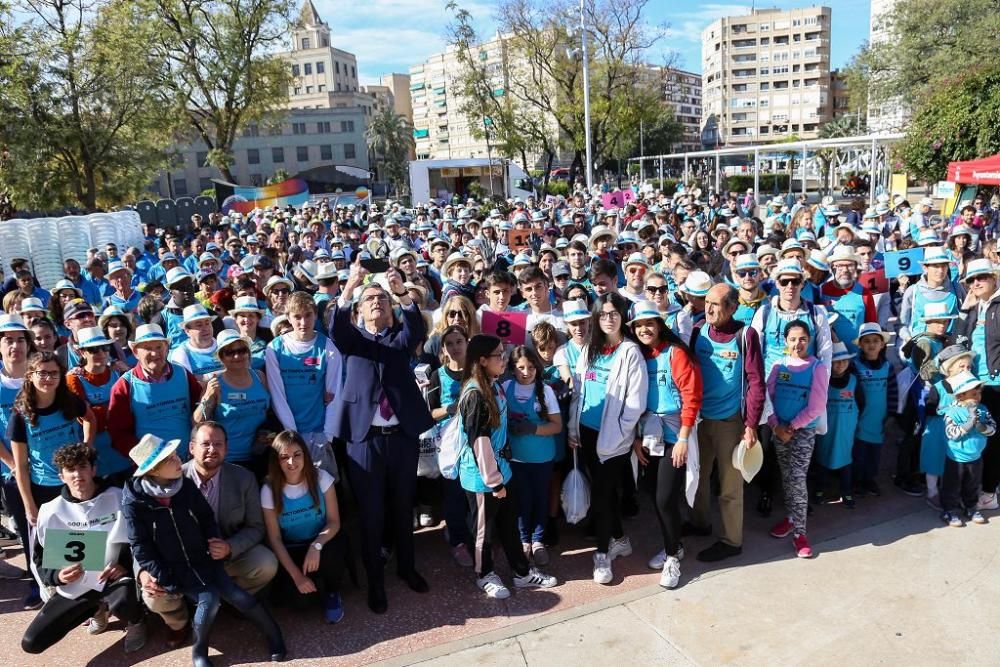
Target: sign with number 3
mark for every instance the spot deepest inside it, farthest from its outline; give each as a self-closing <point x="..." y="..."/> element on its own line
<point x="510" y="327"/>
<point x="69" y="547"/>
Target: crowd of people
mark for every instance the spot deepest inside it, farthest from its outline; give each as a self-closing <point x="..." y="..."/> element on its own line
<point x="184" y="423"/>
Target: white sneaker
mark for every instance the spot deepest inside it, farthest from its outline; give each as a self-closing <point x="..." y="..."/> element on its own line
<point x="988" y="501"/>
<point x="99" y="622"/>
<point x="619" y="548"/>
<point x="671" y="573"/>
<point x="657" y="561"/>
<point x="493" y="587"/>
<point x="535" y="579"/>
<point x="602" y="568"/>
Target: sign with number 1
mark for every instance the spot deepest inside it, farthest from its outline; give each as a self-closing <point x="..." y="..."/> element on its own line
<point x="69" y="547"/>
<point x="510" y="327"/>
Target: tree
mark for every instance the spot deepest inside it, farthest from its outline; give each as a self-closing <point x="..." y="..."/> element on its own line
<point x="957" y="122"/>
<point x="390" y="138"/>
<point x="848" y="125"/>
<point x="278" y="176"/>
<point x="79" y="118"/>
<point x="219" y="71"/>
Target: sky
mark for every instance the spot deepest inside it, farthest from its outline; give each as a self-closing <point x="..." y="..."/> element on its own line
<point x="391" y="35"/>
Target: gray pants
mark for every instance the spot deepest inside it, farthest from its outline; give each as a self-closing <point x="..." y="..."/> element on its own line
<point x="793" y="459"/>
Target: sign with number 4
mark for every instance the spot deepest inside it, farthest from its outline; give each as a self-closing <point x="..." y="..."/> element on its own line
<point x="64" y="548"/>
<point x="510" y="327"/>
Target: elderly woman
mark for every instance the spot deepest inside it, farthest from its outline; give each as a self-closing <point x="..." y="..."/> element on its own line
<point x="246" y="319"/>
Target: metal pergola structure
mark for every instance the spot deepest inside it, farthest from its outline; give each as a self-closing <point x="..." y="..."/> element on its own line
<point x="872" y="143"/>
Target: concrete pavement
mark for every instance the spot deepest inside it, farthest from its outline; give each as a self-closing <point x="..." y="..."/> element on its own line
<point x="907" y="590"/>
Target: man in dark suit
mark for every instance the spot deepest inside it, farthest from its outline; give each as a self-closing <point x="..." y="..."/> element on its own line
<point x="380" y="413"/>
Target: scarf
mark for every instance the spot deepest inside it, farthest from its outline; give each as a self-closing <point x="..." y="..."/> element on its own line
<point x="159" y="491"/>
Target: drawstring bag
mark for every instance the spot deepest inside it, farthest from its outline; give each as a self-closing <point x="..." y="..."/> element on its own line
<point x="453" y="441"/>
<point x="430" y="442"/>
<point x="575" y="494"/>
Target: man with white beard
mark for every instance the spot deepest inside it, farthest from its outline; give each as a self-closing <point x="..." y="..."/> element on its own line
<point x="848" y="298"/>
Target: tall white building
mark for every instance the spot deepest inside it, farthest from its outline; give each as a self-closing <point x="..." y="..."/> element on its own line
<point x="892" y="115"/>
<point x="766" y="76"/>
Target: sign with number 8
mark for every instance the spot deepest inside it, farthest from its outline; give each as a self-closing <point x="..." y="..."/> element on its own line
<point x="510" y="327"/>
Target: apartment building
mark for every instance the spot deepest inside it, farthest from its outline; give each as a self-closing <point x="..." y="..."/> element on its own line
<point x="682" y="92"/>
<point x="892" y="115"/>
<point x="766" y="76"/>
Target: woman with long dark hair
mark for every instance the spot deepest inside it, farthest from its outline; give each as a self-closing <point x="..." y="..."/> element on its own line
<point x="484" y="469"/>
<point x="672" y="405"/>
<point x="606" y="408"/>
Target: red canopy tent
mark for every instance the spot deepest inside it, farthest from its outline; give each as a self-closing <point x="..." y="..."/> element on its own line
<point x="984" y="171"/>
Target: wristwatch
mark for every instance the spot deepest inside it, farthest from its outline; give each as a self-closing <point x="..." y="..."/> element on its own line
<point x="317" y="546"/>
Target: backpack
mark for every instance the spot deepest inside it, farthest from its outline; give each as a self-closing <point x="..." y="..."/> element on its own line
<point x="453" y="441"/>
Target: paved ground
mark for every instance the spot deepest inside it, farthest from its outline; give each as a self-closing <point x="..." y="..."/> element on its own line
<point x="890" y="583"/>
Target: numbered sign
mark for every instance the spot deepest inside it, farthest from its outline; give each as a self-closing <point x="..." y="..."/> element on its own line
<point x="69" y="547"/>
<point x="874" y="281"/>
<point x="520" y="239"/>
<point x="904" y="262"/>
<point x="617" y="199"/>
<point x="510" y="327"/>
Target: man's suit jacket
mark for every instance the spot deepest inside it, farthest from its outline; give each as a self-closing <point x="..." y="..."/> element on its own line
<point x="377" y="364"/>
<point x="240" y="519"/>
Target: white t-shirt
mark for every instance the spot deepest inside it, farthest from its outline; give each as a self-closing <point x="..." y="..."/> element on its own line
<point x="525" y="391"/>
<point x="293" y="491"/>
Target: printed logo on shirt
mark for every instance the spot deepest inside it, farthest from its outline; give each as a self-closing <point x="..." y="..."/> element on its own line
<point x="590" y="376"/>
<point x="846" y="393"/>
<point x="311" y="361"/>
<point x="729" y="354"/>
<point x="236" y="396"/>
<point x="784" y="376"/>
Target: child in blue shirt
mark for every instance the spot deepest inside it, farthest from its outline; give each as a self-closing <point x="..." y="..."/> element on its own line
<point x="967" y="424"/>
<point x="878" y="384"/>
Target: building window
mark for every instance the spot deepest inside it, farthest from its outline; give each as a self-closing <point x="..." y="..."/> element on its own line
<point x="251" y="130"/>
<point x="347" y="126"/>
<point x="307" y="69"/>
<point x="309" y="90"/>
<point x="295" y="70"/>
<point x="320" y="88"/>
<point x="325" y="152"/>
<point x="180" y="186"/>
<point x="253" y="156"/>
<point x="200" y="158"/>
<point x="338" y="86"/>
<point x="349" y="152"/>
<point x="323" y="127"/>
<point x="277" y="155"/>
<point x="204" y="184"/>
<point x="324" y="41"/>
<point x="320" y="68"/>
<point x="354" y="75"/>
<point x="336" y="66"/>
<point x="297" y="90"/>
<point x="305" y="43"/>
<point x="302" y="153"/>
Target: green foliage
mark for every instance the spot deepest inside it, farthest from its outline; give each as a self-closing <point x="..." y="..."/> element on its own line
<point x="557" y="188"/>
<point x="741" y="182"/>
<point x="961" y="121"/>
<point x="278" y="176"/>
<point x="80" y="121"/>
<point x="390" y="136"/>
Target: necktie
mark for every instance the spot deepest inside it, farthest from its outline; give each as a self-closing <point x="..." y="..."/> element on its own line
<point x="384" y="409"/>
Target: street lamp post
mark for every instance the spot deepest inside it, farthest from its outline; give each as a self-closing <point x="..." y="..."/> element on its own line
<point x="586" y="97"/>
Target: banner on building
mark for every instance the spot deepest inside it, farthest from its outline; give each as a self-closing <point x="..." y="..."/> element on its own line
<point x="231" y="197"/>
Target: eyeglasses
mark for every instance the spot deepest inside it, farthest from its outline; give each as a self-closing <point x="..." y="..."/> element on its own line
<point x="747" y="273"/>
<point x="456" y="313"/>
<point x="657" y="289"/>
<point x="235" y="352"/>
<point x="47" y="375"/>
<point x="794" y="282"/>
<point x="609" y="315"/>
<point x="375" y="297"/>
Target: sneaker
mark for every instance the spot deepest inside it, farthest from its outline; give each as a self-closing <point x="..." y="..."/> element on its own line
<point x="493" y="587"/>
<point x="976" y="516"/>
<point x="671" y="573"/>
<point x="847" y="501"/>
<point x="657" y="561"/>
<point x="908" y="487"/>
<point x="718" y="551"/>
<point x="535" y="579"/>
<point x="952" y="519"/>
<point x="135" y="636"/>
<point x="10" y="571"/>
<point x="871" y="486"/>
<point x="539" y="554"/>
<point x="802" y="548"/>
<point x="461" y="555"/>
<point x="426" y="520"/>
<point x="619" y="548"/>
<point x="783" y="529"/>
<point x="988" y="501"/>
<point x="934" y="502"/>
<point x="333" y="608"/>
<point x="32" y="601"/>
<point x="602" y="568"/>
<point x="99" y="622"/>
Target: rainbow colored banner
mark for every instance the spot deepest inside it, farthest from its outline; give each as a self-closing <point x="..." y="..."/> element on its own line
<point x="293" y="192"/>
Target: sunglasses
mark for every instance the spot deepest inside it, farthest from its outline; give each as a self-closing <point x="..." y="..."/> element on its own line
<point x="281" y="290"/>
<point x="235" y="352"/>
<point x="97" y="348"/>
<point x="979" y="279"/>
<point x="747" y="273"/>
<point x="456" y="313"/>
<point x="657" y="289"/>
<point x="794" y="282"/>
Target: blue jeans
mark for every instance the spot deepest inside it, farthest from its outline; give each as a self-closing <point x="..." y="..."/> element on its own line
<point x="207" y="600"/>
<point x="531" y="486"/>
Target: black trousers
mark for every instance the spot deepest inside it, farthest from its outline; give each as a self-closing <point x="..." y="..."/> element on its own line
<point x="327" y="577"/>
<point x="991" y="455"/>
<point x="605" y="489"/>
<point x="495" y="515"/>
<point x="60" y="614"/>
<point x="960" y="485"/>
<point x="665" y="484"/>
<point x="383" y="473"/>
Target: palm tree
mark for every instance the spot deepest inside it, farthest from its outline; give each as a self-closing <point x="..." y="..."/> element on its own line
<point x="390" y="138"/>
<point x="847" y="125"/>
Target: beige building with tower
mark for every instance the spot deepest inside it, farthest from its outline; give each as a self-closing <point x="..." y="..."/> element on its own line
<point x="766" y="76"/>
